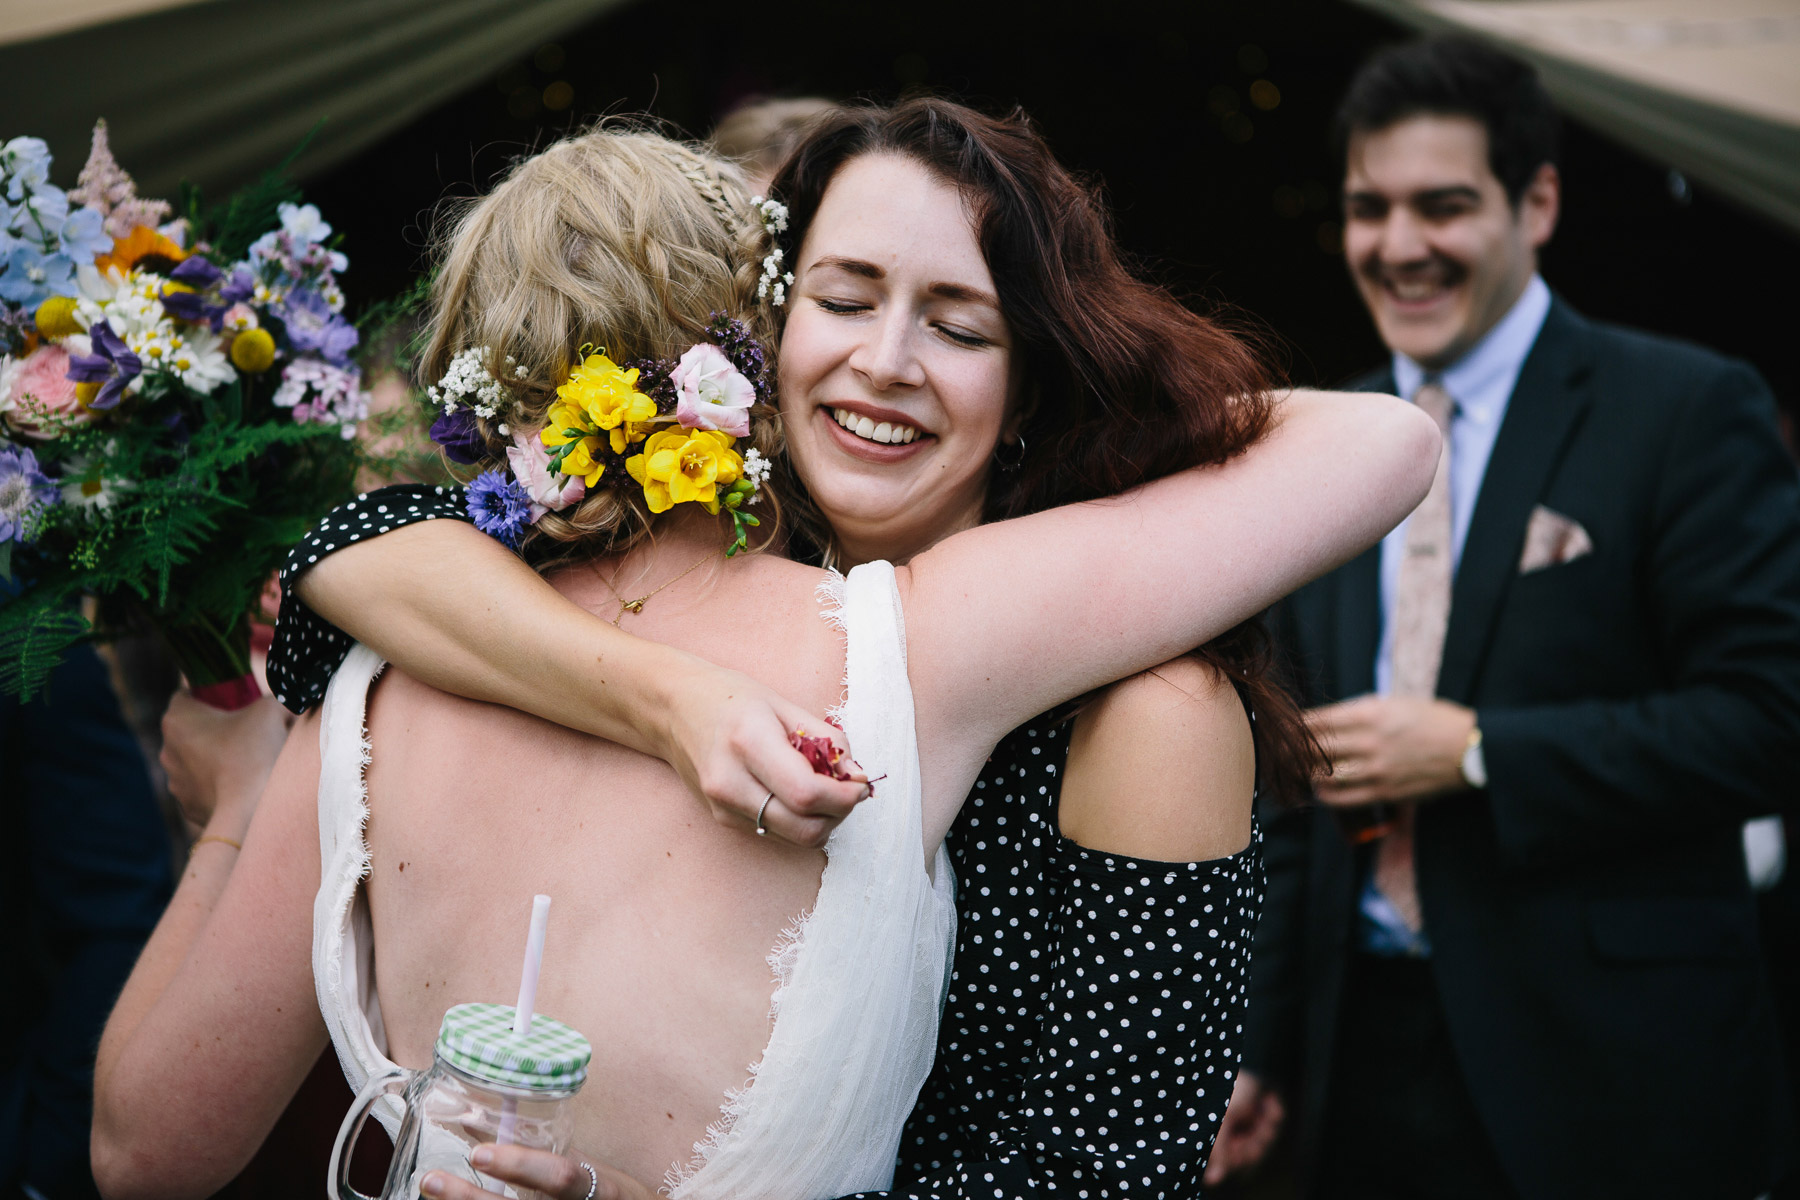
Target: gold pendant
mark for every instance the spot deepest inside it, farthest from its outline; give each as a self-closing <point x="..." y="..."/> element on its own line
<point x="634" y="606"/>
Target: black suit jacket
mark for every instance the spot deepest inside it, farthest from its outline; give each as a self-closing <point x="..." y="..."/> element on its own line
<point x="1594" y="938"/>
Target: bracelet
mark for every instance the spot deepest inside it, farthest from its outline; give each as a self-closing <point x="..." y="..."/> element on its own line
<point x="213" y="837"/>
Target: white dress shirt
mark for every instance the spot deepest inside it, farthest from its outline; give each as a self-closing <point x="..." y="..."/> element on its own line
<point x="1479" y="384"/>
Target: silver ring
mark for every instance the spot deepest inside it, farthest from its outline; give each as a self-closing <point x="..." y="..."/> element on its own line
<point x="761" y="830"/>
<point x="593" y="1178"/>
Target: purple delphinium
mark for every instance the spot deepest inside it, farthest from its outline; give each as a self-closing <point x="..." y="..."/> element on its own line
<point x="112" y="365"/>
<point x="24" y="489"/>
<point x="197" y="305"/>
<point x="500" y="506"/>
<point x="240" y="286"/>
<point x="458" y="434"/>
<point x="312" y="328"/>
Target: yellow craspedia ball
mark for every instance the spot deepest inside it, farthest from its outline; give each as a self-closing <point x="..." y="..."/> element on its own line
<point x="253" y="350"/>
<point x="56" y="317"/>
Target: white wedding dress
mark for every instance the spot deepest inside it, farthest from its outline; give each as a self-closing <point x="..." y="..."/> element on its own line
<point x="859" y="983"/>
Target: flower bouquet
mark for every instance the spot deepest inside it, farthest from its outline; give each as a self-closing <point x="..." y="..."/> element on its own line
<point x="178" y="403"/>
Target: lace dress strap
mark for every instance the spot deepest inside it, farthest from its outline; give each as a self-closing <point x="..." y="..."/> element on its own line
<point x="862" y="978"/>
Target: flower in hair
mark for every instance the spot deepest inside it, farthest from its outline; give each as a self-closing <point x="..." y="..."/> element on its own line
<point x="468" y="384"/>
<point x="499" y="506"/>
<point x="711" y="393"/>
<point x="600" y="397"/>
<point x="679" y="465"/>
<point x="548" y="490"/>
<point x="774" y="283"/>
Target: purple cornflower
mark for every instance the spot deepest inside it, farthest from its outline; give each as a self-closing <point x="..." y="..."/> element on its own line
<point x="500" y="506"/>
<point x="24" y="491"/>
<point x="313" y="328"/>
<point x="457" y="433"/>
<point x="112" y="365"/>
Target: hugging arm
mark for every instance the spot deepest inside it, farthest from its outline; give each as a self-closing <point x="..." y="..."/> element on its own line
<point x="1008" y="620"/>
<point x="219" y="1024"/>
<point x="451" y="606"/>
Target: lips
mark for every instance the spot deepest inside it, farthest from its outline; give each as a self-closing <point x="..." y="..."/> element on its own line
<point x="1416" y="289"/>
<point x="845" y="431"/>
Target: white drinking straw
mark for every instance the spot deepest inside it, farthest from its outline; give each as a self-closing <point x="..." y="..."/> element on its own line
<point x="522" y="1011"/>
<point x="534" y="959"/>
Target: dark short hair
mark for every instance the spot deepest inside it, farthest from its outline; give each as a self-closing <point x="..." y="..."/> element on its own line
<point x="1449" y="75"/>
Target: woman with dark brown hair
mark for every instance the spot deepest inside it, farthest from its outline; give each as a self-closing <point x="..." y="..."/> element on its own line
<point x="934" y="378"/>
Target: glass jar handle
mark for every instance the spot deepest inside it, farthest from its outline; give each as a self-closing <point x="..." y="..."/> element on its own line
<point x="337" y="1179"/>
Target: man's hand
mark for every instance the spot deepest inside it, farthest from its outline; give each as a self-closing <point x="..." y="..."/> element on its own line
<point x="1388" y="748"/>
<point x="1251" y="1122"/>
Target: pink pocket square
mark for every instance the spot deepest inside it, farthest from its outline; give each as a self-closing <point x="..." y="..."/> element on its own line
<point x="1552" y="539"/>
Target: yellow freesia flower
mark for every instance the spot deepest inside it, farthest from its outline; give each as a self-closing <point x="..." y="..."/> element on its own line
<point x="606" y="394"/>
<point x="679" y="465"/>
<point x="580" y="461"/>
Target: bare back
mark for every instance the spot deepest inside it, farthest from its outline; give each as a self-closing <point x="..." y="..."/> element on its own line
<point x="663" y="919"/>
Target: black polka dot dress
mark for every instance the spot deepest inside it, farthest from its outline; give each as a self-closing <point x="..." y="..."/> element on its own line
<point x="1094" y="1019"/>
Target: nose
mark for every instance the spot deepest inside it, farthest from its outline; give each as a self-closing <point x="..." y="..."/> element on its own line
<point x="886" y="355"/>
<point x="1403" y="239"/>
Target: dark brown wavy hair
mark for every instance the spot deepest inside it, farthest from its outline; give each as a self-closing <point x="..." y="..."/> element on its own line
<point x="1121" y="382"/>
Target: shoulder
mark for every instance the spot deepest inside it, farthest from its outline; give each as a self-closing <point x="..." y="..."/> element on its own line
<point x="1651" y="371"/>
<point x="1162" y="766"/>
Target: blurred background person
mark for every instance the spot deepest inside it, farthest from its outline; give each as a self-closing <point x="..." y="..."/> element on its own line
<point x="84" y="875"/>
<point x="1515" y="952"/>
<point x="759" y="135"/>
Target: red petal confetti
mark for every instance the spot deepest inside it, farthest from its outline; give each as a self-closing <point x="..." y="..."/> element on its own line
<point x="824" y="757"/>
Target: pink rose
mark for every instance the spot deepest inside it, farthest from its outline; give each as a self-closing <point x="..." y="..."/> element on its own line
<point x="711" y="393"/>
<point x="40" y="384"/>
<point x="548" y="489"/>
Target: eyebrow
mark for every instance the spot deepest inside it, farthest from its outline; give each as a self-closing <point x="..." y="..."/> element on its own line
<point x="1460" y="191"/>
<point x="947" y="291"/>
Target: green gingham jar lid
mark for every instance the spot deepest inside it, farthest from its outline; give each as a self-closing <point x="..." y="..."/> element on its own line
<point x="478" y="1039"/>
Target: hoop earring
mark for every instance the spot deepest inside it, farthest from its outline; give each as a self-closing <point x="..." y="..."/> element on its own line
<point x="1013" y="463"/>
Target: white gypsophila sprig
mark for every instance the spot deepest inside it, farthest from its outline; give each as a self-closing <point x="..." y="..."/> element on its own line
<point x="467" y="383"/>
<point x="757" y="470"/>
<point x="774" y="283"/>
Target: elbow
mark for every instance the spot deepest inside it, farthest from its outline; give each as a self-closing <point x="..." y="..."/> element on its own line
<point x="145" y="1157"/>
<point x="1415" y="445"/>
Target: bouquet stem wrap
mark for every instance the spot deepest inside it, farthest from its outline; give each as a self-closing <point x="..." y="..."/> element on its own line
<point x="216" y="662"/>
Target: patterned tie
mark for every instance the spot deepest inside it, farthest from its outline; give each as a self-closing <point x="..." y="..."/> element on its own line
<point x="1421" y="614"/>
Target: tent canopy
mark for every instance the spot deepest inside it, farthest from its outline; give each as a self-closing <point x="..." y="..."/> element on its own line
<point x="1709" y="87"/>
<point x="216" y="91"/>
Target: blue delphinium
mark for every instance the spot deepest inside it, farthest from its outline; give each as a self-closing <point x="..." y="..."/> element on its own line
<point x="31" y="276"/>
<point x="500" y="506"/>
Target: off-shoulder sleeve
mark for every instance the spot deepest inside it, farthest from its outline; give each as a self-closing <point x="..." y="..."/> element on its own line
<point x="307" y="647"/>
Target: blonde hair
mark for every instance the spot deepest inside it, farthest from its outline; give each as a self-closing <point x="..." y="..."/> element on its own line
<point x="619" y="238"/>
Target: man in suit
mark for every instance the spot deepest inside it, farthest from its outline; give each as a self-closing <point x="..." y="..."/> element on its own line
<point x="1513" y="951"/>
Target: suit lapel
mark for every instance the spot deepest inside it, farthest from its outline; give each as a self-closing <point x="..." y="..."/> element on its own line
<point x="1546" y="405"/>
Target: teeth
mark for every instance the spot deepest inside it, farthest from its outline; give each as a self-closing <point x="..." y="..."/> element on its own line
<point x="891" y="433"/>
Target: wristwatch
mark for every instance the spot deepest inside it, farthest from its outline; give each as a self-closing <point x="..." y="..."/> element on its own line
<point x="1474" y="763"/>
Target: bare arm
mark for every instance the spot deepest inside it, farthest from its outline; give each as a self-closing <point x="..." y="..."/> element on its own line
<point x="218" y="1024"/>
<point x="1008" y="620"/>
<point x="455" y="609"/>
<point x="1161" y="767"/>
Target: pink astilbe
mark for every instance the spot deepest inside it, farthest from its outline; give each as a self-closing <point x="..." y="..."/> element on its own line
<point x="104" y="185"/>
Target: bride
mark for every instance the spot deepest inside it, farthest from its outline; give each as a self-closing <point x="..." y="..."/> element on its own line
<point x="665" y="919"/>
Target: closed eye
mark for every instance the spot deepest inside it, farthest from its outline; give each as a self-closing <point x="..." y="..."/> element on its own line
<point x="962" y="338"/>
<point x="839" y="306"/>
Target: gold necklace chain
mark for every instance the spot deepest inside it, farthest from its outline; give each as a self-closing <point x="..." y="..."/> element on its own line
<point x="637" y="606"/>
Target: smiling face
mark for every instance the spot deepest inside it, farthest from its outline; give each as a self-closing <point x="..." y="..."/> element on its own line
<point x="896" y="364"/>
<point x="1436" y="250"/>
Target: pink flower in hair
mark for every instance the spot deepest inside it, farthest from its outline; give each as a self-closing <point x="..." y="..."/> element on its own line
<point x="711" y="393"/>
